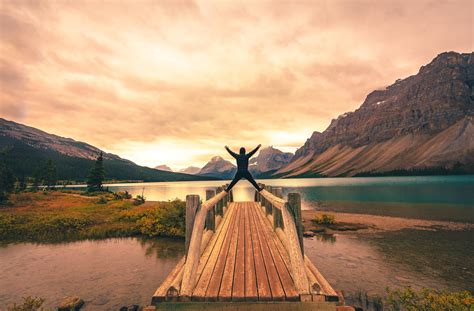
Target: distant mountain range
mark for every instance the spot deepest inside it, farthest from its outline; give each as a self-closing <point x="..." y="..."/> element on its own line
<point x="163" y="168"/>
<point x="27" y="149"/>
<point x="267" y="161"/>
<point x="419" y="125"/>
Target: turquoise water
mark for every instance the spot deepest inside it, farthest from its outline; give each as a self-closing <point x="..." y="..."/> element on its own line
<point x="423" y="197"/>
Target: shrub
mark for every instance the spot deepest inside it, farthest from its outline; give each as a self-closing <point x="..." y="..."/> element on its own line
<point x="428" y="299"/>
<point x="139" y="199"/>
<point x="167" y="220"/>
<point x="324" y="219"/>
<point x="122" y="195"/>
<point x="29" y="304"/>
<point x="102" y="200"/>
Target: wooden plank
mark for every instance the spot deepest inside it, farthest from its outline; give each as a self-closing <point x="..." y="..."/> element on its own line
<point x="216" y="278"/>
<point x="251" y="293"/>
<point x="225" y="290"/>
<point x="160" y="293"/>
<point x="326" y="288"/>
<point x="294" y="202"/>
<point x="280" y="258"/>
<point x="272" y="273"/>
<point x="263" y="287"/>
<point x="212" y="243"/>
<point x="194" y="252"/>
<point x="297" y="267"/>
<point x="210" y="256"/>
<point x="238" y="286"/>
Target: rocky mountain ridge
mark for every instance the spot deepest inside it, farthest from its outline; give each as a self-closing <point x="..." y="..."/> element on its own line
<point x="427" y="107"/>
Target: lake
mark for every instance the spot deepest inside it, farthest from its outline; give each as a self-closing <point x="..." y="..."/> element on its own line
<point x="423" y="197"/>
<point x="111" y="273"/>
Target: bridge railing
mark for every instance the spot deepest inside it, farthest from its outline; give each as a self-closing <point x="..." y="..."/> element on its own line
<point x="286" y="219"/>
<point x="201" y="222"/>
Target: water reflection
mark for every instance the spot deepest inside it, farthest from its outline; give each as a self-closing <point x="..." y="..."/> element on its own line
<point x="107" y="274"/>
<point x="163" y="247"/>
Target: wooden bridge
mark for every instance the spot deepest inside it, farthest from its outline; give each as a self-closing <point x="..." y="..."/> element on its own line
<point x="245" y="253"/>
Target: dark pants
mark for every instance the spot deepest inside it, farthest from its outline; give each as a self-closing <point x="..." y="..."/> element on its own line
<point x="243" y="174"/>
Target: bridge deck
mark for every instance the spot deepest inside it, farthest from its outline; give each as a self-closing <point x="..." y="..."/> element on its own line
<point x="243" y="261"/>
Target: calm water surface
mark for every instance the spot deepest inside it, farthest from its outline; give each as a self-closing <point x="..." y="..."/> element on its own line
<point x="111" y="273"/>
<point x="423" y="197"/>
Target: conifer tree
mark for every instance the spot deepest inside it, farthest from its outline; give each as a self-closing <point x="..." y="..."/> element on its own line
<point x="97" y="175"/>
<point x="50" y="176"/>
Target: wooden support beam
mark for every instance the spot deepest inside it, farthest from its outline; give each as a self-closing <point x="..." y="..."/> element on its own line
<point x="276" y="212"/>
<point x="192" y="204"/>
<point x="294" y="202"/>
<point x="219" y="205"/>
<point x="268" y="205"/>
<point x="211" y="213"/>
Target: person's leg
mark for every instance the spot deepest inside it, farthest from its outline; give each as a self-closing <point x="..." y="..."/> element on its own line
<point x="237" y="177"/>
<point x="249" y="177"/>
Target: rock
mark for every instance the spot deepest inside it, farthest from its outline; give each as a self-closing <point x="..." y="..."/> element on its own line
<point x="308" y="234"/>
<point x="130" y="308"/>
<point x="70" y="303"/>
<point x="399" y="120"/>
<point x="149" y="308"/>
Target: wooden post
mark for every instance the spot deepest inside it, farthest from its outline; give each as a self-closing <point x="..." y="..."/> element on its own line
<point x="268" y="205"/>
<point x="277" y="217"/>
<point x="294" y="203"/>
<point x="211" y="213"/>
<point x="192" y="205"/>
<point x="219" y="205"/>
<point x="225" y="199"/>
<point x="231" y="196"/>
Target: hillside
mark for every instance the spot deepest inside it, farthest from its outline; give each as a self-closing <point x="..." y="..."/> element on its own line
<point x="421" y="124"/>
<point x="27" y="149"/>
<point x="219" y="168"/>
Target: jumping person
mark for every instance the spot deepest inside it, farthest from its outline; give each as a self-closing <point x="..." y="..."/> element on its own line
<point x="243" y="167"/>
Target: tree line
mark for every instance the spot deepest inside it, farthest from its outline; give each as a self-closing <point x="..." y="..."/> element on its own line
<point x="45" y="177"/>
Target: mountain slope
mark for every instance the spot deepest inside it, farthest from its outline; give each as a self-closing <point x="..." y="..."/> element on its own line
<point x="423" y="122"/>
<point x="29" y="148"/>
<point x="163" y="168"/>
<point x="193" y="170"/>
<point x="219" y="168"/>
<point x="269" y="159"/>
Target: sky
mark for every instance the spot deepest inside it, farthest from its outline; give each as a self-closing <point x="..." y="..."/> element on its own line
<point x="173" y="82"/>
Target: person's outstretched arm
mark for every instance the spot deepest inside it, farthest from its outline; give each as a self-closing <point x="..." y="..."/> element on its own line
<point x="251" y="153"/>
<point x="231" y="152"/>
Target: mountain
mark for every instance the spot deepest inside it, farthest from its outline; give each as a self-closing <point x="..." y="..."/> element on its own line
<point x="28" y="149"/>
<point x="218" y="168"/>
<point x="269" y="160"/>
<point x="419" y="125"/>
<point x="163" y="168"/>
<point x="193" y="170"/>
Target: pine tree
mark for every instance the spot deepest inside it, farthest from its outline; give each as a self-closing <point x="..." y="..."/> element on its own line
<point x="97" y="175"/>
<point x="7" y="181"/>
<point x="50" y="176"/>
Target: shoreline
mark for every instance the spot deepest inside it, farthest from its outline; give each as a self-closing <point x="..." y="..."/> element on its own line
<point x="349" y="223"/>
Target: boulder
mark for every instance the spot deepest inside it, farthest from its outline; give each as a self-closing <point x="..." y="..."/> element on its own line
<point x="70" y="303"/>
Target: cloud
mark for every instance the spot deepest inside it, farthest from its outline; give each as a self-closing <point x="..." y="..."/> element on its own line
<point x="187" y="77"/>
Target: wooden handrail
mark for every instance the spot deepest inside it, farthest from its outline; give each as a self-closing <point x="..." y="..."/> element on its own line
<point x="194" y="251"/>
<point x="294" y="246"/>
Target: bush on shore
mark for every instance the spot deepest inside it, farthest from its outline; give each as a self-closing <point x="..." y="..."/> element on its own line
<point x="324" y="219"/>
<point x="61" y="216"/>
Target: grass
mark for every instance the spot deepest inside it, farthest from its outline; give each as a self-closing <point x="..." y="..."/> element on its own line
<point x="409" y="299"/>
<point x="324" y="219"/>
<point x="71" y="215"/>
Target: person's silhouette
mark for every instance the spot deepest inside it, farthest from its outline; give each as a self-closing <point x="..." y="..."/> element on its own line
<point x="243" y="167"/>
